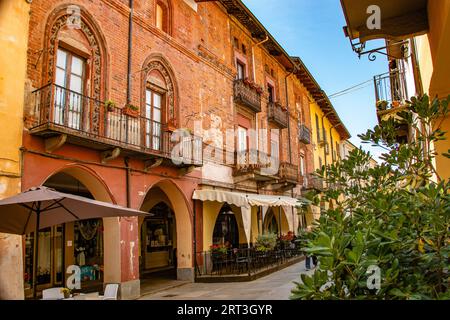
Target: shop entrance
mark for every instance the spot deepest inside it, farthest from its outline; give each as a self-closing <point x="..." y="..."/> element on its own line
<point x="226" y="230"/>
<point x="77" y="243"/>
<point x="158" y="239"/>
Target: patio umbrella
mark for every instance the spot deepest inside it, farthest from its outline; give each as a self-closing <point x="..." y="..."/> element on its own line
<point x="42" y="207"/>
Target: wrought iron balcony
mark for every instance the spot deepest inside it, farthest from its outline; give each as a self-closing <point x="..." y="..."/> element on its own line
<point x="253" y="165"/>
<point x="313" y="182"/>
<point x="277" y="114"/>
<point x="304" y="134"/>
<point x="91" y="123"/>
<point x="390" y="90"/>
<point x="289" y="172"/>
<point x="247" y="95"/>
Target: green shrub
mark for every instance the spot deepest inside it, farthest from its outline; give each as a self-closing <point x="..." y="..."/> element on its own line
<point x="395" y="217"/>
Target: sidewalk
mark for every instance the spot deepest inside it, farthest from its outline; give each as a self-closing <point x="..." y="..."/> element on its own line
<point x="276" y="286"/>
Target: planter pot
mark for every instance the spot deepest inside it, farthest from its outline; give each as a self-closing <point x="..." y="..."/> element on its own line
<point x="395" y="104"/>
<point x="130" y="112"/>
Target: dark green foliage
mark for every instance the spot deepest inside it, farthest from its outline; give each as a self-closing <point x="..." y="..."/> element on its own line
<point x="394" y="216"/>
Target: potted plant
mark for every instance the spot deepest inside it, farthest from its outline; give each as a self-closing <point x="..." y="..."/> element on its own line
<point x="266" y="242"/>
<point x="131" y="110"/>
<point x="110" y="105"/>
<point x="382" y="105"/>
<point x="218" y="249"/>
<point x="66" y="292"/>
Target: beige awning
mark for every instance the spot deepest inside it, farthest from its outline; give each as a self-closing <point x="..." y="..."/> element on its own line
<point x="245" y="201"/>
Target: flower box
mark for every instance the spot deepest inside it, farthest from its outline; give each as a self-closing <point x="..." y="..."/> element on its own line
<point x="131" y="110"/>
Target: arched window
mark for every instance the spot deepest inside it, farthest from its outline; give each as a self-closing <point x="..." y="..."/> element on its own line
<point x="163" y="16"/>
<point x="75" y="66"/>
<point x="159" y="102"/>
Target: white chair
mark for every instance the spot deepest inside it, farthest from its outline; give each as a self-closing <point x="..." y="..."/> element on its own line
<point x="52" y="294"/>
<point x="111" y="290"/>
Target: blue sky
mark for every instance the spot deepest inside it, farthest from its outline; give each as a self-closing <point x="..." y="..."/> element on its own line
<point x="312" y="30"/>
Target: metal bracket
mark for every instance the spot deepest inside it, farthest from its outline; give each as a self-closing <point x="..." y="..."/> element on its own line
<point x="359" y="48"/>
<point x="110" y="154"/>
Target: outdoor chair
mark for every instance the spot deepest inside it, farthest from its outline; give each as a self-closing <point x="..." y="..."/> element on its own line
<point x="52" y="294"/>
<point x="111" y="290"/>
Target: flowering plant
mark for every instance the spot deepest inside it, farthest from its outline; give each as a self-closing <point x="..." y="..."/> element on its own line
<point x="218" y="248"/>
<point x="66" y="292"/>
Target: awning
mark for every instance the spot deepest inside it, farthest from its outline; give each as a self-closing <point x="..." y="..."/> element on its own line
<point x="245" y="201"/>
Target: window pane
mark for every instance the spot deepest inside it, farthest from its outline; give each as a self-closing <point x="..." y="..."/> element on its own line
<point x="157" y="115"/>
<point x="61" y="58"/>
<point x="76" y="84"/>
<point x="148" y="96"/>
<point x="77" y="66"/>
<point x="157" y="100"/>
<point x="60" y="79"/>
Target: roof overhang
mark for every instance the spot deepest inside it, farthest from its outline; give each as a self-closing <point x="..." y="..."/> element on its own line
<point x="320" y="97"/>
<point x="399" y="19"/>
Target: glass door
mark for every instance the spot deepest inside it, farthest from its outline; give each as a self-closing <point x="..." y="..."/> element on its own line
<point x="69" y="89"/>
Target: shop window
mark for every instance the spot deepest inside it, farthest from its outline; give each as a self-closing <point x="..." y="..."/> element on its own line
<point x="158" y="238"/>
<point x="88" y="248"/>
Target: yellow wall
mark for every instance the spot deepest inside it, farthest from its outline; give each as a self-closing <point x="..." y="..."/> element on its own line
<point x="443" y="163"/>
<point x="434" y="62"/>
<point x="319" y="150"/>
<point x="14" y="17"/>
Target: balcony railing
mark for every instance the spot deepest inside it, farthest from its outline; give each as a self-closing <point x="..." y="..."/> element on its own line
<point x="277" y="114"/>
<point x="246" y="95"/>
<point x="87" y="120"/>
<point x="390" y="90"/>
<point x="313" y="182"/>
<point x="251" y="161"/>
<point x="289" y="172"/>
<point x="304" y="134"/>
<point x="245" y="261"/>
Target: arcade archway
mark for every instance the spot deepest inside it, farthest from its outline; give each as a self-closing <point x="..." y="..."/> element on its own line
<point x="166" y="237"/>
<point x="78" y="243"/>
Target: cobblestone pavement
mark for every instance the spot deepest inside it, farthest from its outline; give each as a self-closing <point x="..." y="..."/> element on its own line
<point x="276" y="286"/>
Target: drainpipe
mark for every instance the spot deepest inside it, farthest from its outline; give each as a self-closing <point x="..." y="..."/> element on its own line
<point x="288" y="113"/>
<point x="127" y="179"/>
<point x="254" y="79"/>
<point x="289" y="129"/>
<point x="130" y="47"/>
<point x="195" y="240"/>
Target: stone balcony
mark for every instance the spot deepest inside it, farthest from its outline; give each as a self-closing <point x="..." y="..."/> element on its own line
<point x="277" y="114"/>
<point x="247" y="95"/>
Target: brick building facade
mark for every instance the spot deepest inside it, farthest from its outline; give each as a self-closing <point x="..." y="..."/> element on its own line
<point x="107" y="87"/>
